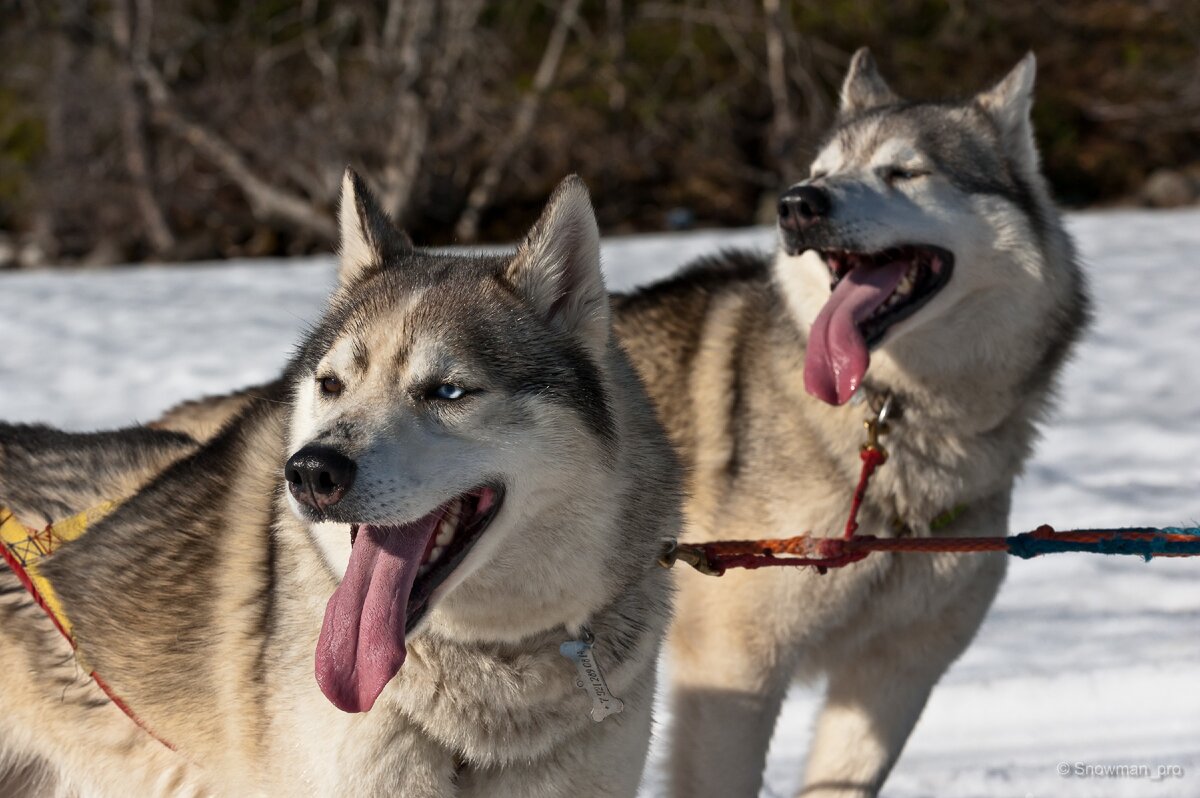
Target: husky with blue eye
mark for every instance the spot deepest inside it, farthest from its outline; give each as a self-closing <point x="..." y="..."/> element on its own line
<point x="423" y="564"/>
<point x="922" y="260"/>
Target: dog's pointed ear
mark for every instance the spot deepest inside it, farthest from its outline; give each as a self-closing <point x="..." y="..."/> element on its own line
<point x="557" y="266"/>
<point x="368" y="237"/>
<point x="1009" y="104"/>
<point x="864" y="88"/>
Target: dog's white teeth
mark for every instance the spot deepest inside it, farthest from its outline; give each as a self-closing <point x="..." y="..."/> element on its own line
<point x="446" y="532"/>
<point x="436" y="554"/>
<point x="449" y="524"/>
<point x="424" y="569"/>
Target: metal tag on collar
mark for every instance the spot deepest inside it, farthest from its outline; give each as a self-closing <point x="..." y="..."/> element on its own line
<point x="591" y="677"/>
<point x="878" y="426"/>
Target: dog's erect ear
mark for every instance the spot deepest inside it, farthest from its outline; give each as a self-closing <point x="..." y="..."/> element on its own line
<point x="1009" y="103"/>
<point x="368" y="237"/>
<point x="864" y="88"/>
<point x="557" y="267"/>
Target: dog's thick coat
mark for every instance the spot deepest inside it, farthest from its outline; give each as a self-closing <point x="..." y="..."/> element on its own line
<point x="722" y="348"/>
<point x="200" y="598"/>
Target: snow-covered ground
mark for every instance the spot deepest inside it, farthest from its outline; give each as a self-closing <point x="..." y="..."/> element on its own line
<point x="1084" y="660"/>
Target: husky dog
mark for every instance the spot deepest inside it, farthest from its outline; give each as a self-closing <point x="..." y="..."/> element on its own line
<point x="361" y="585"/>
<point x="923" y="261"/>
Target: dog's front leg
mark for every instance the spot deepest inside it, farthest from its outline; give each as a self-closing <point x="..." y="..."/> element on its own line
<point x="876" y="695"/>
<point x="730" y="673"/>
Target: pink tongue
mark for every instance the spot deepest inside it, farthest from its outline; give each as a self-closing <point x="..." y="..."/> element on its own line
<point x="837" y="356"/>
<point x="361" y="646"/>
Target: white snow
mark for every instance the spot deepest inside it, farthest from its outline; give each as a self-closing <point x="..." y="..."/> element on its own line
<point x="1084" y="660"/>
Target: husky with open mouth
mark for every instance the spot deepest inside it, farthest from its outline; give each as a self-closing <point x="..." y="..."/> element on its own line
<point x="922" y="265"/>
<point x="922" y="260"/>
<point x="424" y="564"/>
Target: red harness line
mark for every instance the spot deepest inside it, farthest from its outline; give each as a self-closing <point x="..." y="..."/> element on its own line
<point x="716" y="557"/>
<point x="36" y="594"/>
<point x="872" y="456"/>
<point x="824" y="553"/>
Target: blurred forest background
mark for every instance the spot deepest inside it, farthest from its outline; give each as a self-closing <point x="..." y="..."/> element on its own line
<point x="134" y="129"/>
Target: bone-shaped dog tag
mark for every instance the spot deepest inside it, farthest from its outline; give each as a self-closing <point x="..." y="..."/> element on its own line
<point x="591" y="678"/>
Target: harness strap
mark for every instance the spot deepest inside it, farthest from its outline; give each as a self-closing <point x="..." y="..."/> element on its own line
<point x="24" y="549"/>
<point x="715" y="557"/>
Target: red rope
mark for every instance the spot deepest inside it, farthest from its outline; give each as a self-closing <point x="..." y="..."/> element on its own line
<point x="872" y="457"/>
<point x="31" y="588"/>
<point x="23" y="577"/>
<point x="822" y="553"/>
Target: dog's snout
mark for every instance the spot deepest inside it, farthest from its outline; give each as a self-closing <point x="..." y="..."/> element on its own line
<point x="802" y="206"/>
<point x="319" y="476"/>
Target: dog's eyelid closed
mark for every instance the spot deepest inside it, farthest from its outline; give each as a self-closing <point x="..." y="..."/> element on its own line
<point x="904" y="172"/>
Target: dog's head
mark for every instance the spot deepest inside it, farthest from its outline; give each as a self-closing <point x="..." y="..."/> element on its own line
<point x="924" y="231"/>
<point x="442" y="404"/>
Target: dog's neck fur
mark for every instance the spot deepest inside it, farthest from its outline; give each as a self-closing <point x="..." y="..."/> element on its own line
<point x="943" y="423"/>
<point x="528" y="679"/>
<point x="272" y="635"/>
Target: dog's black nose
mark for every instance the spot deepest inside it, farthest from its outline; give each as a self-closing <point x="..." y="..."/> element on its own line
<point x="802" y="206"/>
<point x="319" y="476"/>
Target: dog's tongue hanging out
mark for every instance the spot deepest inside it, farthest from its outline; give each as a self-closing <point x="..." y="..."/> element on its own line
<point x="837" y="356"/>
<point x="361" y="646"/>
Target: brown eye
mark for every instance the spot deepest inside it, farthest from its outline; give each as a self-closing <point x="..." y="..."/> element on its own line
<point x="330" y="386"/>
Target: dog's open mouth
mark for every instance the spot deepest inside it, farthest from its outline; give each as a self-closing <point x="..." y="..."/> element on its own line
<point x="871" y="292"/>
<point x="393" y="572"/>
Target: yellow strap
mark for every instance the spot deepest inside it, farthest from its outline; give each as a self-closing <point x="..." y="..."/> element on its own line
<point x="29" y="547"/>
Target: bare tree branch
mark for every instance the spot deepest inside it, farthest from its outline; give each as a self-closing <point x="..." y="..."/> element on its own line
<point x="265" y="200"/>
<point x="467" y="227"/>
<point x="133" y="46"/>
<point x="615" y="39"/>
<point x="783" y="122"/>
<point x="405" y="147"/>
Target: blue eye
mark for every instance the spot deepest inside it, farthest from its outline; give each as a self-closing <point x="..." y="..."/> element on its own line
<point x="448" y="391"/>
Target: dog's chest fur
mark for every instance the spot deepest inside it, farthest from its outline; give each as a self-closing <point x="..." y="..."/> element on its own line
<point x="724" y="364"/>
<point x="454" y="709"/>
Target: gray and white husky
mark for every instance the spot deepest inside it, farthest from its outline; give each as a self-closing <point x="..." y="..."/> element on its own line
<point x="459" y="473"/>
<point x="921" y="261"/>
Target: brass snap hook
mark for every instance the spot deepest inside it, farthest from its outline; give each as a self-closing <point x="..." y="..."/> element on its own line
<point x="878" y="426"/>
<point x="692" y="555"/>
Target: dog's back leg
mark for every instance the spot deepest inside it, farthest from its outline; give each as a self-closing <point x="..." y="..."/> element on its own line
<point x="47" y="474"/>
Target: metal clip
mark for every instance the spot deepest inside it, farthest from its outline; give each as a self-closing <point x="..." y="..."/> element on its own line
<point x="878" y="426"/>
<point x="692" y="555"/>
